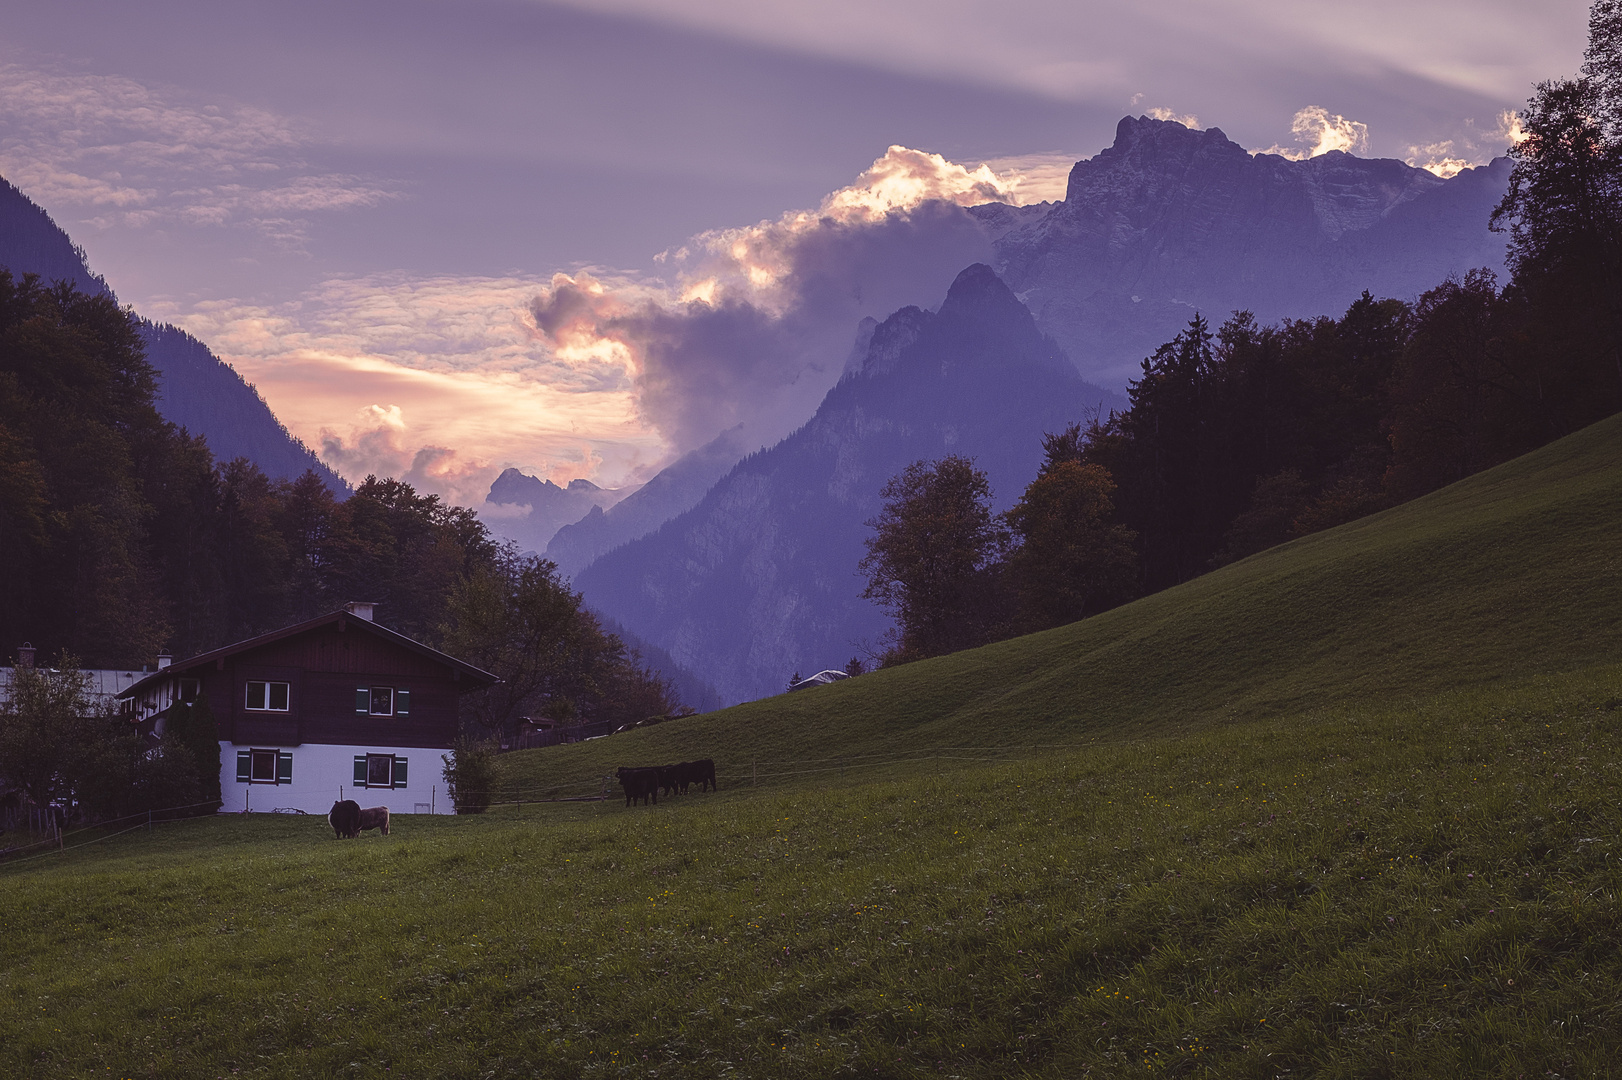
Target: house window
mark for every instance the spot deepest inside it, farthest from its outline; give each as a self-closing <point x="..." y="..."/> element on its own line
<point x="382" y="701"/>
<point x="264" y="766"/>
<point x="189" y="689"/>
<point x="380" y="771"/>
<point x="267" y="696"/>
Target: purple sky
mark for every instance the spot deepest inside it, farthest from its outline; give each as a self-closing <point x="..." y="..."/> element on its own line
<point x="363" y="205"/>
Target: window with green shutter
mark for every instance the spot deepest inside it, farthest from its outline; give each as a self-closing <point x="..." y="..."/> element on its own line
<point x="399" y="772"/>
<point x="244" y="766"/>
<point x="402" y="702"/>
<point x="284" y="767"/>
<point x="363" y="699"/>
<point x="360" y="770"/>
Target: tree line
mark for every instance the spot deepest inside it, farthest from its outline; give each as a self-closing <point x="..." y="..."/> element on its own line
<point x="1241" y="438"/>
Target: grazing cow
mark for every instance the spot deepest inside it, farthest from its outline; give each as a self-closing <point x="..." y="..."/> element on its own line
<point x="640" y="784"/>
<point x="344" y="817"/>
<point x="703" y="772"/>
<point x="374" y="817"/>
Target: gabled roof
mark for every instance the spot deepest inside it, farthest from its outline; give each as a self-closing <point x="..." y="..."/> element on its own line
<point x="343" y="617"/>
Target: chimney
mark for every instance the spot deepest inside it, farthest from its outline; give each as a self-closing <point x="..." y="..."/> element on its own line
<point x="25" y="655"/>
<point x="164" y="660"/>
<point x="361" y="609"/>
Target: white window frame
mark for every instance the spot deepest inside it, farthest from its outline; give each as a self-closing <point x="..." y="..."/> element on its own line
<point x="266" y="696"/>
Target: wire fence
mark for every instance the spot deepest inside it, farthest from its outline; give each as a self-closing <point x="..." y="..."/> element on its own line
<point x="57" y="844"/>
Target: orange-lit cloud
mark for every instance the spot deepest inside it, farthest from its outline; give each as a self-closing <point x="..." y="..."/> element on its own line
<point x="443" y="380"/>
<point x="1317" y="132"/>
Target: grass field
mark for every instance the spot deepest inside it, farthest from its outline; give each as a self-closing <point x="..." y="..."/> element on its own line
<point x="1427" y="890"/>
<point x="1515" y="571"/>
<point x="1346" y="809"/>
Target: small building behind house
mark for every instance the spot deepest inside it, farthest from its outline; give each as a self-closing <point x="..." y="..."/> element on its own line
<point x="336" y="707"/>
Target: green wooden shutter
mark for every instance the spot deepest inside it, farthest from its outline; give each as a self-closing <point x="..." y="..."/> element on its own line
<point x="360" y="770"/>
<point x="244" y="766"/>
<point x="402" y="703"/>
<point x="399" y="772"/>
<point x="284" y="766"/>
<point x="363" y="700"/>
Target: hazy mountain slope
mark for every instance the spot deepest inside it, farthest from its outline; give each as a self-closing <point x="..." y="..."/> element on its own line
<point x="676" y="488"/>
<point x="196" y="389"/>
<point x="1168" y="220"/>
<point x="760" y="578"/>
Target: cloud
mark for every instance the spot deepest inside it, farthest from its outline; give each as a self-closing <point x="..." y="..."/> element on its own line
<point x="127" y="154"/>
<point x="444" y="380"/>
<point x="1450" y="157"/>
<point x="758" y="321"/>
<point x="1188" y="120"/>
<point x="1034" y="178"/>
<point x="1318" y="132"/>
<point x="1437" y="158"/>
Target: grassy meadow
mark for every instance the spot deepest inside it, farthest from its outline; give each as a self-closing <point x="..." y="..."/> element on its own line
<point x="1346" y="809"/>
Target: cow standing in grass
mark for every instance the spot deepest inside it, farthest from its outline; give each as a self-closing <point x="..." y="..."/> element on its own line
<point x="702" y="773"/>
<point x="640" y="784"/>
<point x="344" y="817"/>
<point x="374" y="817"/>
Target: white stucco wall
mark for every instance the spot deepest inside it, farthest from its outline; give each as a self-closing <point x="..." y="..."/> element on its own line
<point x="323" y="773"/>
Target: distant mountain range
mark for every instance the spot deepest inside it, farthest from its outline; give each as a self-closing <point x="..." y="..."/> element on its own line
<point x="196" y="390"/>
<point x="546" y="506"/>
<point x="759" y="579"/>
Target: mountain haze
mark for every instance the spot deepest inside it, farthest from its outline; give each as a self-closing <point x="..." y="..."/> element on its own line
<point x="676" y="488"/>
<point x="547" y="506"/>
<point x="760" y="579"/>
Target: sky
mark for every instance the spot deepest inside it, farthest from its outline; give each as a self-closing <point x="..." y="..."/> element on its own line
<point x="582" y="238"/>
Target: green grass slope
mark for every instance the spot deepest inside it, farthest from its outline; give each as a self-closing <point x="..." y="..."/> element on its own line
<point x="1413" y="891"/>
<point x="1513" y="571"/>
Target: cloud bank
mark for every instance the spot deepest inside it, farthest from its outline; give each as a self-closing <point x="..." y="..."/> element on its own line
<point x="445" y="381"/>
<point x="758" y="321"/>
<point x="116" y="152"/>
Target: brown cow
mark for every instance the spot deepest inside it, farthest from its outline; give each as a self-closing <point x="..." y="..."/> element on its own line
<point x="375" y="817"/>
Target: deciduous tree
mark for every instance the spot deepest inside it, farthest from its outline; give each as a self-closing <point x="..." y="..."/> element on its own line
<point x="934" y="559"/>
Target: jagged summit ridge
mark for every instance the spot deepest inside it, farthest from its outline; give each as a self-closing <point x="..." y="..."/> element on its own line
<point x="1168" y="221"/>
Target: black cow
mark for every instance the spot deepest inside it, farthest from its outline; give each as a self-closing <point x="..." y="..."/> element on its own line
<point x="344" y="817"/>
<point x="702" y="773"/>
<point x="640" y="784"/>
